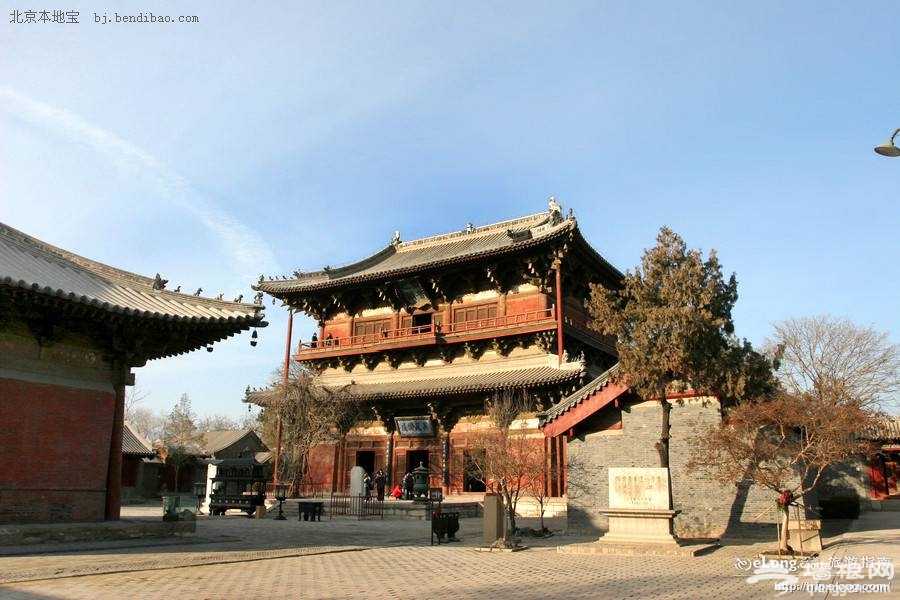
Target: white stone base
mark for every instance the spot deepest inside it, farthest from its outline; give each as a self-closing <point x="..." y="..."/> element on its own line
<point x="639" y="526"/>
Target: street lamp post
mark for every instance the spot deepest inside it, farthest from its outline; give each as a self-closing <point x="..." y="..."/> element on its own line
<point x="280" y="495"/>
<point x="888" y="148"/>
<point x="200" y="492"/>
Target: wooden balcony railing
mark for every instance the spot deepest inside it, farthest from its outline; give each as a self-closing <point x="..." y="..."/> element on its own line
<point x="423" y="332"/>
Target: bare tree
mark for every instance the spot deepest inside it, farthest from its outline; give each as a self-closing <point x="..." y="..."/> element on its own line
<point x="311" y="415"/>
<point x="148" y="423"/>
<point x="834" y="377"/>
<point x="133" y="397"/>
<point x="217" y="423"/>
<point x="251" y="421"/>
<point x="837" y="361"/>
<point x="507" y="459"/>
<point x="538" y="489"/>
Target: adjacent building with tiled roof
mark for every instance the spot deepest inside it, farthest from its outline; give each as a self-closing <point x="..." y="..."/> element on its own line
<point x="134" y="444"/>
<point x="71" y="331"/>
<point x="427" y="330"/>
<point x="237" y="443"/>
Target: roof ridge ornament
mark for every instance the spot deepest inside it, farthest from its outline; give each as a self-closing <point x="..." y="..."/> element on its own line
<point x="555" y="210"/>
<point x="395" y="240"/>
<point x="159" y="283"/>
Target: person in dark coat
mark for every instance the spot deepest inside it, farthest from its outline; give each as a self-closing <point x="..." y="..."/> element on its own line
<point x="380" y="480"/>
<point x="408" y="485"/>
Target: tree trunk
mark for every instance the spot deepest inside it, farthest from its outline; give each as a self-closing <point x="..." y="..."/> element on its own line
<point x="783" y="539"/>
<point x="662" y="446"/>
<point x="510" y="517"/>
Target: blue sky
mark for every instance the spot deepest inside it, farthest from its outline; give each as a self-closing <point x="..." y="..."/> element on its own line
<point x="261" y="140"/>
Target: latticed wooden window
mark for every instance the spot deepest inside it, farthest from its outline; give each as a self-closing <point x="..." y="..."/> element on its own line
<point x="371" y="327"/>
<point x="475" y="313"/>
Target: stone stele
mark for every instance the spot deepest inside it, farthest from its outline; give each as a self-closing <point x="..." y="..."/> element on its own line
<point x="639" y="508"/>
<point x="357" y="485"/>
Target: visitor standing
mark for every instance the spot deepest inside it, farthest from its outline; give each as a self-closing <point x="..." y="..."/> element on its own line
<point x="380" y="480"/>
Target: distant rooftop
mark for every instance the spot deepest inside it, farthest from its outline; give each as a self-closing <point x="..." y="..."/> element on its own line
<point x="134" y="444"/>
<point x="215" y="441"/>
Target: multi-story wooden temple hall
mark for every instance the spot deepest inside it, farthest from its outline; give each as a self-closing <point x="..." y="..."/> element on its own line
<point x="424" y="331"/>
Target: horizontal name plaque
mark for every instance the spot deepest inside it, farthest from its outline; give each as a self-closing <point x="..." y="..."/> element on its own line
<point x="414" y="426"/>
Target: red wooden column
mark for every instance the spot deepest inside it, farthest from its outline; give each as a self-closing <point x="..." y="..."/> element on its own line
<point x="287" y="371"/>
<point x="878" y="481"/>
<point x="339" y="476"/>
<point x="114" y="470"/>
<point x="559" y="465"/>
<point x="557" y="264"/>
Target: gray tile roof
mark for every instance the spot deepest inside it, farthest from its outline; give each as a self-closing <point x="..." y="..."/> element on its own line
<point x="32" y="265"/>
<point x="580" y="395"/>
<point x="405" y="258"/>
<point x="215" y="441"/>
<point x="465" y="384"/>
<point x="887" y="429"/>
<point x="134" y="444"/>
<point x="417" y="386"/>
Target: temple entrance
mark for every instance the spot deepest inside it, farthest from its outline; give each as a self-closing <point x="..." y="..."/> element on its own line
<point x="414" y="457"/>
<point x="471" y="474"/>
<point x="366" y="460"/>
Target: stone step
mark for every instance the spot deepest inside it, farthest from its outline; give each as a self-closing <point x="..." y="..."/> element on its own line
<point x="890" y="504"/>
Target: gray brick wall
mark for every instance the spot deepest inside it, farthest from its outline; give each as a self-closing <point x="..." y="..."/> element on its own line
<point x="707" y="506"/>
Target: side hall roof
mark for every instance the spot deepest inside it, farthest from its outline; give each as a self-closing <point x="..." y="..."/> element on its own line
<point x="581" y="404"/>
<point x="36" y="267"/>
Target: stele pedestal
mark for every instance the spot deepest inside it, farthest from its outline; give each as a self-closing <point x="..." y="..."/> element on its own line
<point x="639" y="510"/>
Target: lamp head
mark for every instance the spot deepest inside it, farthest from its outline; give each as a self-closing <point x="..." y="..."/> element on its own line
<point x="888" y="148"/>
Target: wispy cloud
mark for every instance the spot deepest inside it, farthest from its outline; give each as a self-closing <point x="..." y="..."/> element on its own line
<point x="249" y="252"/>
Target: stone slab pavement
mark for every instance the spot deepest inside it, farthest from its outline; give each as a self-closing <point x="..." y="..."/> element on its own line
<point x="236" y="557"/>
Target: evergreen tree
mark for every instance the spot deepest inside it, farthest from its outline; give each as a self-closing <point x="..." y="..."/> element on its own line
<point x="672" y="322"/>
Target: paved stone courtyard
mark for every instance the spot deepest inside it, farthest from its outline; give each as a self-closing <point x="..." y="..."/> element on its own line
<point x="235" y="557"/>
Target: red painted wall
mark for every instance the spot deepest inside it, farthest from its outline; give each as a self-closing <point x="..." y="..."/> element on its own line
<point x="338" y="329"/>
<point x="54" y="448"/>
<point x="520" y="304"/>
<point x="321" y="467"/>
